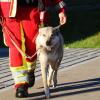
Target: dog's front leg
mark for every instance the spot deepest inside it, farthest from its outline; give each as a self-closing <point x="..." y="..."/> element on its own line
<point x="50" y="75"/>
<point x="44" y="77"/>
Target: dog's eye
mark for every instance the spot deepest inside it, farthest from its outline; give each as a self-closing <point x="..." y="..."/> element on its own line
<point x="52" y="36"/>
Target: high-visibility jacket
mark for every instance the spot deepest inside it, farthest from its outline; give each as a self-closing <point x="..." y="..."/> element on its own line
<point x="8" y="8"/>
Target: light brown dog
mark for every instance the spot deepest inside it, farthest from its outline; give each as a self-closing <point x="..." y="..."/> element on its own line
<point x="49" y="44"/>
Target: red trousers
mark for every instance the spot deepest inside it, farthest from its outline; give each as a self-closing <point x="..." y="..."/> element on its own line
<point x="24" y="28"/>
<point x="28" y="18"/>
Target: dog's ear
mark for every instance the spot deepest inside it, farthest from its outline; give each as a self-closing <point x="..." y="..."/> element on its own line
<point x="56" y="29"/>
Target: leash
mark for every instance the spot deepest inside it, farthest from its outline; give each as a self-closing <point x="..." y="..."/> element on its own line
<point x="12" y="38"/>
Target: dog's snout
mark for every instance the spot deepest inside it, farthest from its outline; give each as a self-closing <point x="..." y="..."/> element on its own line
<point x="48" y="43"/>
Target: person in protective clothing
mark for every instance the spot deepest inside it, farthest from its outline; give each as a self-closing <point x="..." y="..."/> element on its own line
<point x="20" y="23"/>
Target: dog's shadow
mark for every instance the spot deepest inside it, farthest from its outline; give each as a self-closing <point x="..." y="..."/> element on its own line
<point x="71" y="88"/>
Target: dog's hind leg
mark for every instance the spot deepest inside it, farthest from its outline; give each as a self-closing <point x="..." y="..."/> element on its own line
<point x="55" y="78"/>
<point x="44" y="77"/>
<point x="54" y="81"/>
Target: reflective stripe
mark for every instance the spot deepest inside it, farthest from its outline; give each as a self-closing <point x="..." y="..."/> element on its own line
<point x="60" y="5"/>
<point x="31" y="65"/>
<point x="21" y="79"/>
<point x="23" y="43"/>
<point x="13" y="8"/>
<point x="5" y="0"/>
<point x="19" y="74"/>
<point x="21" y="82"/>
<point x="14" y="69"/>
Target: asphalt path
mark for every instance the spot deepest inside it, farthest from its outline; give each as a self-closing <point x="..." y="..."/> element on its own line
<point x="78" y="77"/>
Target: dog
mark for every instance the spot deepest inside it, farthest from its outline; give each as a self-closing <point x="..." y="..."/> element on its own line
<point x="49" y="45"/>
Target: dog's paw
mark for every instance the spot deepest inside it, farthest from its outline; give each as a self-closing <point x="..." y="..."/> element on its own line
<point x="47" y="94"/>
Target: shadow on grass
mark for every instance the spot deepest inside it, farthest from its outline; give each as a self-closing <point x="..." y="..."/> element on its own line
<point x="71" y="88"/>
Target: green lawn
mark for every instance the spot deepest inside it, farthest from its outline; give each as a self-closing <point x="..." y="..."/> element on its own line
<point x="89" y="42"/>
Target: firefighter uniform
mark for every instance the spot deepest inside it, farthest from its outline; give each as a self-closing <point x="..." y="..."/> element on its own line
<point x="22" y="18"/>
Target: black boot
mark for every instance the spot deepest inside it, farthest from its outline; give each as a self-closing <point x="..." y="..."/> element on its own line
<point x="31" y="78"/>
<point x="21" y="92"/>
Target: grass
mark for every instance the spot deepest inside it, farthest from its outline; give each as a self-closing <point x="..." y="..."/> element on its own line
<point x="89" y="42"/>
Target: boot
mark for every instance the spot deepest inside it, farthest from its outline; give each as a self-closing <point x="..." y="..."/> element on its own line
<point x="21" y="92"/>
